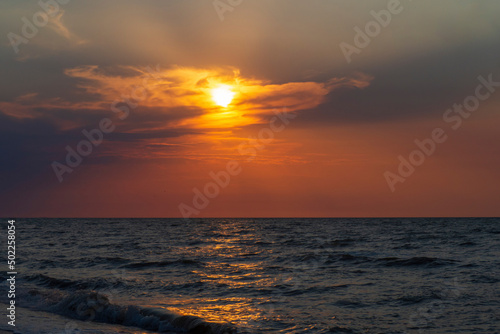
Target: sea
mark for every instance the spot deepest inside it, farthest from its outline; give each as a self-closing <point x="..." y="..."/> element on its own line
<point x="324" y="275"/>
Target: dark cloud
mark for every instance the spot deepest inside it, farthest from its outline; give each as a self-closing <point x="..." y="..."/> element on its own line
<point x="422" y="86"/>
<point x="28" y="146"/>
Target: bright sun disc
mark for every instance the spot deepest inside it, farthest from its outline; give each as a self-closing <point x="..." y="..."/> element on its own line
<point x="222" y="95"/>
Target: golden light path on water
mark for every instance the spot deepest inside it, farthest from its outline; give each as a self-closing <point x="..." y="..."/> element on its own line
<point x="241" y="311"/>
<point x="236" y="269"/>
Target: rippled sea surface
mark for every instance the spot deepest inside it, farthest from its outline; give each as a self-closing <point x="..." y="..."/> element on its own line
<point x="257" y="276"/>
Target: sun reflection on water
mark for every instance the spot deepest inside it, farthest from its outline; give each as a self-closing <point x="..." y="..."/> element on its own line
<point x="233" y="261"/>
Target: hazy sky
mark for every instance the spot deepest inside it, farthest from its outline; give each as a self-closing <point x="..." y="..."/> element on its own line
<point x="144" y="75"/>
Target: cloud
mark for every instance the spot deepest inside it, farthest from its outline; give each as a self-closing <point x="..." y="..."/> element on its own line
<point x="59" y="27"/>
<point x="174" y="117"/>
<point x="189" y="87"/>
<point x="55" y="37"/>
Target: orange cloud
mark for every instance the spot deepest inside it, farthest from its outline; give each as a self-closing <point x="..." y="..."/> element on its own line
<point x="191" y="87"/>
<point x="179" y="99"/>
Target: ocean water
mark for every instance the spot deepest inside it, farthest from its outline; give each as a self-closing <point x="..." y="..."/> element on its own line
<point x="256" y="276"/>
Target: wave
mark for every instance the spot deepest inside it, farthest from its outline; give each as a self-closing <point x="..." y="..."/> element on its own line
<point x="344" y="330"/>
<point x="416" y="261"/>
<point x="67" y="284"/>
<point x="103" y="284"/>
<point x="389" y="261"/>
<point x="348" y="303"/>
<point x="346" y="257"/>
<point x="137" y="265"/>
<point x="467" y="243"/>
<point x="416" y="299"/>
<point x="339" y="243"/>
<point x="93" y="306"/>
<point x="484" y="279"/>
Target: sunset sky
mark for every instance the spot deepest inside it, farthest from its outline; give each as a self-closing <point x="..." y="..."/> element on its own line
<point x="185" y="89"/>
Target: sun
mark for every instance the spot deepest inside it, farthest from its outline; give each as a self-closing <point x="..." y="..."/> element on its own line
<point x="222" y="95"/>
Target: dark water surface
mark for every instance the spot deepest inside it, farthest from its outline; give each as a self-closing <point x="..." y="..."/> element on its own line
<point x="434" y="275"/>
